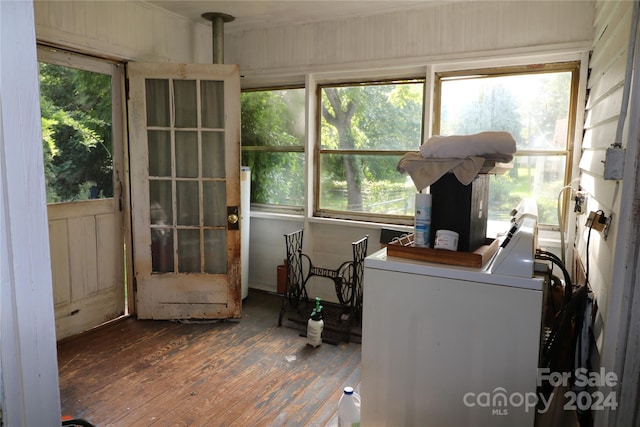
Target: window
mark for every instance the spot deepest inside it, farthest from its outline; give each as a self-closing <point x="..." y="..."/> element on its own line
<point x="273" y="146"/>
<point x="365" y="128"/>
<point x="77" y="131"/>
<point x="537" y="106"/>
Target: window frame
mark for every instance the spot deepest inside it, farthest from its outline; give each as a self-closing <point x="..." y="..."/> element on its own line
<point x="422" y="69"/>
<point x="318" y="151"/>
<point x="100" y="65"/>
<point x="572" y="66"/>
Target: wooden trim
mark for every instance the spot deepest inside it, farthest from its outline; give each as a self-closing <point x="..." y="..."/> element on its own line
<point x="81" y="208"/>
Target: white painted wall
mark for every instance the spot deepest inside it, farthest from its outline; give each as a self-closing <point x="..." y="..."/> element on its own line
<point x="29" y="394"/>
<point x="608" y="63"/>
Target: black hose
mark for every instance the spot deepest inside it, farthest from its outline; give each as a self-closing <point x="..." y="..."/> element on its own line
<point x="553" y="258"/>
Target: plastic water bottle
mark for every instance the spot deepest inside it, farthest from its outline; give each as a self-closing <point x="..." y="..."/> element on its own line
<point x="315" y="326"/>
<point x="349" y="409"/>
<point x="422" y="232"/>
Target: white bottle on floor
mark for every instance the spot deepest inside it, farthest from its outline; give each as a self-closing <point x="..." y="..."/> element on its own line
<point x="349" y="409"/>
<point x="315" y="326"/>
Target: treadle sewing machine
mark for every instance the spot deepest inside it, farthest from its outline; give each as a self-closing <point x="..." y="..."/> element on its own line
<point x="347" y="279"/>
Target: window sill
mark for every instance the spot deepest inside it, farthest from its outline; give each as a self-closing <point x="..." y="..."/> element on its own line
<point x="359" y="224"/>
<point x="548" y="239"/>
<point x="275" y="215"/>
<point x="328" y="221"/>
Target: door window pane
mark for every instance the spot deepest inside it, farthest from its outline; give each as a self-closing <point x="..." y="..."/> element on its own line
<point x="161" y="202"/>
<point x="162" y="251"/>
<point x="212" y="93"/>
<point x="159" y="143"/>
<point x="188" y="203"/>
<point x="77" y="133"/>
<point x="158" y="106"/>
<point x="189" y="251"/>
<point x="186" y="154"/>
<point x="161" y="220"/>
<point x="213" y="161"/>
<point x="214" y="199"/>
<point x="186" y="103"/>
<point x="215" y="246"/>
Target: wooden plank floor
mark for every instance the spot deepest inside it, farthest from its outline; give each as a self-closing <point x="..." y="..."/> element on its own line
<point x="234" y="373"/>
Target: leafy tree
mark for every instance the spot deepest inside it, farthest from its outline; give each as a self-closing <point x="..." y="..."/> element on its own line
<point x="77" y="135"/>
<point x="339" y="113"/>
<point x="369" y="117"/>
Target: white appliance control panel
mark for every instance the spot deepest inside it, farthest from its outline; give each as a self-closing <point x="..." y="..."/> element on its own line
<point x="516" y="254"/>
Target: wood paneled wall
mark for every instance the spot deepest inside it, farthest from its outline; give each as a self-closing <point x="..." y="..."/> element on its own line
<point x="433" y="30"/>
<point x="606" y="82"/>
<point x="613" y="262"/>
<point x="123" y="30"/>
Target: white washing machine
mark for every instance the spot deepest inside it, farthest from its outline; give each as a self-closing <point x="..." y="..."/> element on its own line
<point x="448" y="346"/>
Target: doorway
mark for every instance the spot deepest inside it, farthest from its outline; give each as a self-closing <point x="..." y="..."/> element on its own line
<point x="81" y="105"/>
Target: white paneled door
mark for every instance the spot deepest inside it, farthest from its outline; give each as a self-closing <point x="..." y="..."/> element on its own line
<point x="184" y="124"/>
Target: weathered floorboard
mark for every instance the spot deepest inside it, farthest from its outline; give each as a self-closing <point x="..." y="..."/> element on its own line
<point x="232" y="373"/>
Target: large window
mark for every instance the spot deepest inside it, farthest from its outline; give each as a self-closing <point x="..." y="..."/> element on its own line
<point x="365" y="129"/>
<point x="273" y="145"/>
<point x="537" y="106"/>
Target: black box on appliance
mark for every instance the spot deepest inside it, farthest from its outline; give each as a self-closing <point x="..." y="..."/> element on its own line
<point x="461" y="208"/>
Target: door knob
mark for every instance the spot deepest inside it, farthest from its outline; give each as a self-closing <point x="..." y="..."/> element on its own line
<point x="233" y="218"/>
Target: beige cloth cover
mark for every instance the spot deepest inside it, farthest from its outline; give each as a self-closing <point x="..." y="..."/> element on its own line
<point x="425" y="172"/>
<point x="494" y="143"/>
<point x="463" y="155"/>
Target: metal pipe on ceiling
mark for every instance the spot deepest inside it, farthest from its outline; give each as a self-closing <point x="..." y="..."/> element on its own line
<point x="217" y="33"/>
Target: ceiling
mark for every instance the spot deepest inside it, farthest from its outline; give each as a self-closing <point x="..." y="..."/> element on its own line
<point x="268" y="13"/>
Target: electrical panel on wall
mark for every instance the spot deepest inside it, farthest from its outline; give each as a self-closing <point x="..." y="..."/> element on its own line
<point x="614" y="162"/>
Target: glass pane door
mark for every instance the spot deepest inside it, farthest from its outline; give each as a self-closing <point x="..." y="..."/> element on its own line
<point x="187" y="184"/>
